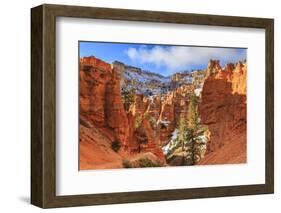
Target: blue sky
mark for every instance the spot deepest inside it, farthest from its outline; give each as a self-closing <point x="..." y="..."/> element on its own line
<point x="162" y="59"/>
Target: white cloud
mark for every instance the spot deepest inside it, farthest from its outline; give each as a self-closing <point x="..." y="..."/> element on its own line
<point x="179" y="57"/>
<point x="132" y="53"/>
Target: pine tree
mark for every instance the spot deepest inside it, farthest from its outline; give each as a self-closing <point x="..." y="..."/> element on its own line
<point x="192" y="127"/>
<point x="182" y="132"/>
<point x="189" y="132"/>
<point x="128" y="97"/>
<point x="192" y="113"/>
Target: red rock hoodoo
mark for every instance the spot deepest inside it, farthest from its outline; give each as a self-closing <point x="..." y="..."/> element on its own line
<point x="223" y="110"/>
<point x="104" y="120"/>
<point x="144" y="121"/>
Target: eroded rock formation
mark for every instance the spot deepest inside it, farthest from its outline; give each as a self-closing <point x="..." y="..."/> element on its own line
<point x="223" y="110"/>
<point x="154" y="113"/>
<point x="163" y="111"/>
<point x="104" y="120"/>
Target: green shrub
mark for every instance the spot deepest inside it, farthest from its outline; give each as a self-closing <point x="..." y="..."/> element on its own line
<point x="187" y="161"/>
<point x="145" y="162"/>
<point x="127" y="97"/>
<point x="115" y="145"/>
<point x="147" y="116"/>
<point x="138" y="121"/>
<point x="127" y="164"/>
<point x="150" y="118"/>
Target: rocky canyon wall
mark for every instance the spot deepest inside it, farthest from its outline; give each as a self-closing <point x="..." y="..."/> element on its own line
<point x="163" y="111"/>
<point x="104" y="120"/>
<point x="223" y="110"/>
<point x="151" y="118"/>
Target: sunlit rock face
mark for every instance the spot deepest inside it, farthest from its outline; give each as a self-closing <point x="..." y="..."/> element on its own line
<point x="94" y="77"/>
<point x="147" y="127"/>
<point x="223" y="109"/>
<point x="163" y="111"/>
<point x="104" y="120"/>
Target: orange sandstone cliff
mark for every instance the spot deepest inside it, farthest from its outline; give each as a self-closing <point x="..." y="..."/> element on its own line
<point x="164" y="111"/>
<point x="104" y="120"/>
<point x="150" y="121"/>
<point x="223" y="110"/>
